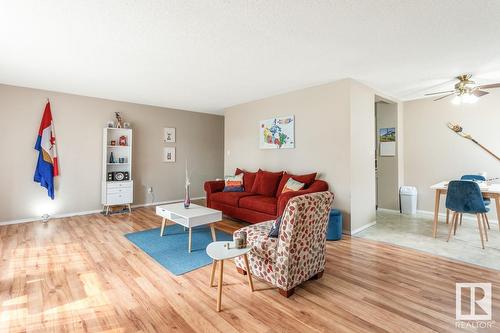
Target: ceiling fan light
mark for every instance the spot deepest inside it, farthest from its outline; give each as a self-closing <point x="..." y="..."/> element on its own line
<point x="472" y="99"/>
<point x="457" y="100"/>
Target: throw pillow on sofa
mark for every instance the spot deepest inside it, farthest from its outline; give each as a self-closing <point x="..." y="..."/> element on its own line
<point x="266" y="183"/>
<point x="248" y="178"/>
<point x="292" y="185"/>
<point x="233" y="183"/>
<point x="275" y="228"/>
<point x="307" y="179"/>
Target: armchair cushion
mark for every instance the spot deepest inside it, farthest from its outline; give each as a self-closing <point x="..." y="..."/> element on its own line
<point x="262" y="245"/>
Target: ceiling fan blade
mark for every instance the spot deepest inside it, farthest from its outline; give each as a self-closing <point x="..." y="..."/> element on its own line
<point x="441" y="92"/>
<point x="479" y="93"/>
<point x="489" y="86"/>
<point x="437" y="99"/>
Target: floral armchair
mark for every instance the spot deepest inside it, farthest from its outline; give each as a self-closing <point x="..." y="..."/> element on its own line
<point x="298" y="254"/>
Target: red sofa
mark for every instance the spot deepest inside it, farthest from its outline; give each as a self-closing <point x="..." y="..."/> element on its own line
<point x="262" y="199"/>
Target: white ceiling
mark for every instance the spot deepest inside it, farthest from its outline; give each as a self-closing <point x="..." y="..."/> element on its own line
<point x="206" y="55"/>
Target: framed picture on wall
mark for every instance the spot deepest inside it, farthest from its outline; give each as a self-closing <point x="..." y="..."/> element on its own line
<point x="169" y="134"/>
<point x="277" y="133"/>
<point x="169" y="154"/>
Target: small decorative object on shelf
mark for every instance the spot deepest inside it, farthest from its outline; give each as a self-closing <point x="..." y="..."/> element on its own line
<point x="123" y="140"/>
<point x="111" y="158"/>
<point x="110" y="124"/>
<point x="119" y="120"/>
<point x="126" y="125"/>
<point x="187" y="199"/>
<point x="113" y="143"/>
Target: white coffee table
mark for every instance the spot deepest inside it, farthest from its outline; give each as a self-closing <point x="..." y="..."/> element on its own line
<point x="191" y="217"/>
<point x="219" y="253"/>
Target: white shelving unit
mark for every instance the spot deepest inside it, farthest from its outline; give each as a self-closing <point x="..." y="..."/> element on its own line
<point x="117" y="192"/>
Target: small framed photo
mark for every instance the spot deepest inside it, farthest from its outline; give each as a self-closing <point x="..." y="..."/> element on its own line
<point x="169" y="154"/>
<point x="169" y="134"/>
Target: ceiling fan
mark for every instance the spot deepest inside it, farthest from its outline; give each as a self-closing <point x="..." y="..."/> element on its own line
<point x="465" y="90"/>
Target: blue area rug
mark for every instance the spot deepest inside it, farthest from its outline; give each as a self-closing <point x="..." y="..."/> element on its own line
<point x="171" y="250"/>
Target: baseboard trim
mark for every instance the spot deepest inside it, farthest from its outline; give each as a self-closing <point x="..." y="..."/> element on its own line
<point x="390" y="211"/>
<point x="366" y="226"/>
<point x="88" y="212"/>
<point x="442" y="216"/>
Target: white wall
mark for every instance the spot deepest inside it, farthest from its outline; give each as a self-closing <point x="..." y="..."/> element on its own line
<point x="363" y="196"/>
<point x="327" y="141"/>
<point x="79" y="121"/>
<point x="434" y="153"/>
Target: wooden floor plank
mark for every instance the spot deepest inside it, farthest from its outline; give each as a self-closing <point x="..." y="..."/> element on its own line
<point x="80" y="274"/>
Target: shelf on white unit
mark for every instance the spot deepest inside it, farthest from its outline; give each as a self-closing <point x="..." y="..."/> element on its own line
<point x="116" y="128"/>
<point x="118" y="163"/>
<point x="118" y="146"/>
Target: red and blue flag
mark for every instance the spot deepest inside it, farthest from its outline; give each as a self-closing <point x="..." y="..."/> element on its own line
<point x="46" y="167"/>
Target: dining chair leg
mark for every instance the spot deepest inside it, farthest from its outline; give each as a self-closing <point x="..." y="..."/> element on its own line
<point x="487" y="221"/>
<point x="447" y="215"/>
<point x="461" y="218"/>
<point x="480" y="230"/>
<point x="453" y="219"/>
<point x="456" y="223"/>
<point x="485" y="229"/>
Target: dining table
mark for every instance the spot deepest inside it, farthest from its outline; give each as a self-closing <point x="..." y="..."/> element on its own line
<point x="489" y="190"/>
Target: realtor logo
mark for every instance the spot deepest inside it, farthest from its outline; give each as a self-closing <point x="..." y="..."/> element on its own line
<point x="479" y="307"/>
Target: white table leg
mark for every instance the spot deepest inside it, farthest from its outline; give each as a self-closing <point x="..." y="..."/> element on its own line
<point x="219" y="287"/>
<point x="212" y="274"/>
<point x="249" y="273"/>
<point x="162" y="227"/>
<point x="189" y="246"/>
<point x="212" y="229"/>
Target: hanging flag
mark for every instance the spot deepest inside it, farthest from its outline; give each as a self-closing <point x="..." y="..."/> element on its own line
<point x="46" y="167"/>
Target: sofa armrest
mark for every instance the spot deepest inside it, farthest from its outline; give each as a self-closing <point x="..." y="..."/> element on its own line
<point x="213" y="186"/>
<point x="317" y="186"/>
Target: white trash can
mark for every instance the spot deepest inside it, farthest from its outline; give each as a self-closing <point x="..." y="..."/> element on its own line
<point x="408" y="199"/>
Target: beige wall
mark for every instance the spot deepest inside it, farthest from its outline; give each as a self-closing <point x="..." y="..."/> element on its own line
<point x="322" y="141"/>
<point x="363" y="196"/>
<point x="387" y="173"/>
<point x="79" y="122"/>
<point x="434" y="153"/>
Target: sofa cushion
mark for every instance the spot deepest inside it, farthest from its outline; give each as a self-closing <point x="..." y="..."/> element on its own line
<point x="266" y="183"/>
<point x="262" y="245"/>
<point x="306" y="179"/>
<point x="259" y="203"/>
<point x="229" y="198"/>
<point x="248" y="178"/>
<point x="233" y="184"/>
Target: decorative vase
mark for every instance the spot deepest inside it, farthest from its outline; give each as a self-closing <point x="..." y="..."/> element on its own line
<point x="111" y="158"/>
<point x="187" y="200"/>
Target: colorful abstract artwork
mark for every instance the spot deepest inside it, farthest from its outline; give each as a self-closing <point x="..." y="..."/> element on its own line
<point x="277" y="133"/>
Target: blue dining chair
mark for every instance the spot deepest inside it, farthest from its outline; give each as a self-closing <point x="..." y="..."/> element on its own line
<point x="487" y="201"/>
<point x="465" y="197"/>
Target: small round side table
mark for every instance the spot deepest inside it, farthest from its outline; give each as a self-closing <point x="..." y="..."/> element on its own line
<point x="219" y="253"/>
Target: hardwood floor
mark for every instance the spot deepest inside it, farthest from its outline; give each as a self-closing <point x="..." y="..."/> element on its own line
<point x="81" y="274"/>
